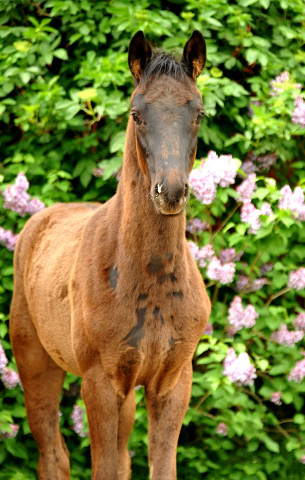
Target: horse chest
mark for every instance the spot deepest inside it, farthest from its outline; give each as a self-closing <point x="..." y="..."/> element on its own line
<point x="153" y="349"/>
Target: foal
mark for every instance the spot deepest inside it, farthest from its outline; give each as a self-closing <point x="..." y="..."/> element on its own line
<point x="111" y="292"/>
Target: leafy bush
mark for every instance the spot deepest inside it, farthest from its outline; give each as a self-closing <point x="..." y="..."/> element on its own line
<point x="64" y="95"/>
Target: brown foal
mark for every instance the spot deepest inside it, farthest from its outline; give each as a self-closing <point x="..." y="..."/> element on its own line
<point x="111" y="292"/>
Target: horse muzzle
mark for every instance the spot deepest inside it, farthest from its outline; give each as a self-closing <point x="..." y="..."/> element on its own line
<point x="170" y="195"/>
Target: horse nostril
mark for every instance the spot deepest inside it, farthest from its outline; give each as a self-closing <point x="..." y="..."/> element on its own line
<point x="186" y="190"/>
<point x="158" y="189"/>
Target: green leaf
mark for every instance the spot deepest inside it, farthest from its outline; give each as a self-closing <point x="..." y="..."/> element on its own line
<point x="61" y="53"/>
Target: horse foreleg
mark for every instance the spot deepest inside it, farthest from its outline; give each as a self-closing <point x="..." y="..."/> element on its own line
<point x="165" y="417"/>
<point x="102" y="407"/>
<point x="126" y="421"/>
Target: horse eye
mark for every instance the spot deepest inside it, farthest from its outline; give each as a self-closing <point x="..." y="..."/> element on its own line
<point x="199" y="117"/>
<point x="137" y="118"/>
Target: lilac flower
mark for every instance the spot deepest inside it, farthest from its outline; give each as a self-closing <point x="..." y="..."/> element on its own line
<point x="8" y="239"/>
<point x="239" y="317"/>
<point x="248" y="167"/>
<point x="244" y="283"/>
<point x="10" y="378"/>
<point x="77" y="418"/>
<point x="297" y="279"/>
<point x="286" y="337"/>
<point x="253" y="164"/>
<point x="203" y="186"/>
<point x="98" y="172"/>
<point x="298" y="372"/>
<point x="229" y="255"/>
<point x="17" y="199"/>
<point x="204" y="255"/>
<point x="265" y="268"/>
<point x="214" y="171"/>
<point x="302" y="459"/>
<point x="299" y="322"/>
<point x="266" y="161"/>
<point x="222" y="429"/>
<point x="3" y="360"/>
<point x="250" y="214"/>
<point x="195" y="225"/>
<point x="208" y="329"/>
<point x="223" y="169"/>
<point x="280" y="83"/>
<point x="247" y="188"/>
<point x="239" y="369"/>
<point x="276" y="398"/>
<point x="12" y="434"/>
<point x="293" y="201"/>
<point x="222" y="273"/>
<point x="266" y="209"/>
<point x="298" y="114"/>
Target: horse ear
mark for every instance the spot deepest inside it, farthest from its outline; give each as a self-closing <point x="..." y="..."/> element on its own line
<point x="139" y="54"/>
<point x="194" y="54"/>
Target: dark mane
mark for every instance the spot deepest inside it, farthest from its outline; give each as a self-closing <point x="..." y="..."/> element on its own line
<point x="162" y="63"/>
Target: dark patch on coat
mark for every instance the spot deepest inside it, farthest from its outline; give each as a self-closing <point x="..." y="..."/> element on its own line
<point x="155" y="265"/>
<point x="113" y="276"/>
<point x="156" y="312"/>
<point x="163" y="277"/>
<point x="178" y="294"/>
<point x="136" y="333"/>
<point x="171" y="341"/>
<point x="142" y="296"/>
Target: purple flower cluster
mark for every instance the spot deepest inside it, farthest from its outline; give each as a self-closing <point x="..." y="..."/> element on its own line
<point x="17" y="199"/>
<point x="201" y="255"/>
<point x="298" y="372"/>
<point x="10" y="378"/>
<point x="252" y="163"/>
<point x="3" y="360"/>
<point x="222" y="429"/>
<point x="238" y="368"/>
<point x="208" y="329"/>
<point x="77" y="416"/>
<point x="299" y="322"/>
<point x="276" y="86"/>
<point x="247" y="188"/>
<point x="265" y="268"/>
<point x="12" y="434"/>
<point x="298" y="114"/>
<point x="229" y="255"/>
<point x="297" y="279"/>
<point x="281" y="83"/>
<point x="239" y="317"/>
<point x="250" y="214"/>
<point x="195" y="225"/>
<point x="244" y="283"/>
<point x="293" y="201"/>
<point x="221" y="273"/>
<point x="8" y="239"/>
<point x="214" y="171"/>
<point x="286" y="337"/>
<point x="276" y="398"/>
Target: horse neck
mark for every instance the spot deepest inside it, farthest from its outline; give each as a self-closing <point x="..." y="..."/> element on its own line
<point x="143" y="232"/>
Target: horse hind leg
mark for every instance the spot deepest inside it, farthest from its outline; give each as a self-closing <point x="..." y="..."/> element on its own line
<point x="42" y="381"/>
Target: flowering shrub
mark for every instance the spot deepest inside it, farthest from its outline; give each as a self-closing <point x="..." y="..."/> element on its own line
<point x="63" y="106"/>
